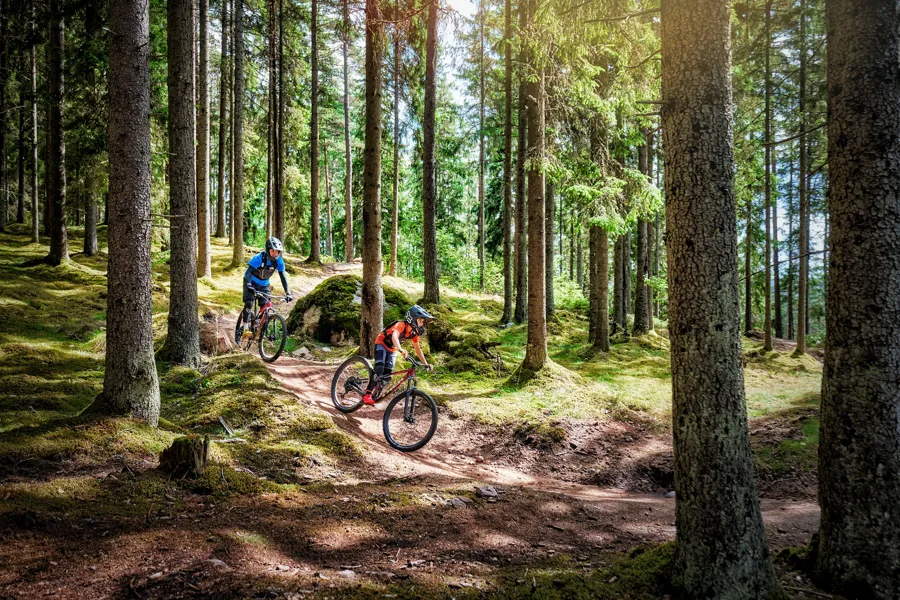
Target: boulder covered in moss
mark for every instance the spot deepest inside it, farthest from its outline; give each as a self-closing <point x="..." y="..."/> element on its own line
<point x="470" y="349"/>
<point x="331" y="312"/>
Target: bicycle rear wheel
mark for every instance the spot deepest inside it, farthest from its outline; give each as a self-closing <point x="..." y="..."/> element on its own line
<point x="272" y="338"/>
<point x="410" y="420"/>
<point x="350" y="382"/>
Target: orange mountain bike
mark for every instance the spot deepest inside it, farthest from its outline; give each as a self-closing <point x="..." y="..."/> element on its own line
<point x="411" y="416"/>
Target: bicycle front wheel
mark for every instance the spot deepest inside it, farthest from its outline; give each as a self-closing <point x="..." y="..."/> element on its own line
<point x="410" y="420"/>
<point x="272" y="338"/>
<point x="350" y="382"/>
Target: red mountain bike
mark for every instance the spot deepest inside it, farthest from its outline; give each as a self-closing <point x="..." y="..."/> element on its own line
<point x="265" y="325"/>
<point x="411" y="416"/>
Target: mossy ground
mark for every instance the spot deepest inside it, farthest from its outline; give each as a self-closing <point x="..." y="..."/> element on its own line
<point x="70" y="480"/>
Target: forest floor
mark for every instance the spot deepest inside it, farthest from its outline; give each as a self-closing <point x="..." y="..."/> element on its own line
<point x="313" y="503"/>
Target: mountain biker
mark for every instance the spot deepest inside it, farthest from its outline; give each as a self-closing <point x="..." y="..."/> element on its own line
<point x="389" y="341"/>
<point x="260" y="269"/>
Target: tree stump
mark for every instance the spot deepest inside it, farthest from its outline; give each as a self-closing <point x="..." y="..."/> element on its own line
<point x="187" y="455"/>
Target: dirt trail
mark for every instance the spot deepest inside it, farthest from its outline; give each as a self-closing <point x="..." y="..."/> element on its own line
<point x="455" y="453"/>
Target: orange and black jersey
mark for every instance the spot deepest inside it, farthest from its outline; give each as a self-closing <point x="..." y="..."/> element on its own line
<point x="403" y="329"/>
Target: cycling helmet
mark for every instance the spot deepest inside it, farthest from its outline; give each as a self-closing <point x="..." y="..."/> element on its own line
<point x="417" y="312"/>
<point x="274" y="242"/>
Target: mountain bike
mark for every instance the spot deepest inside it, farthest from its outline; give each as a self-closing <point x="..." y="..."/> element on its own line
<point x="264" y="326"/>
<point x="411" y="416"/>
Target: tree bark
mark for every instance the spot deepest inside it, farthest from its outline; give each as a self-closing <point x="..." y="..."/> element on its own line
<point x="549" y="216"/>
<point x="767" y="322"/>
<point x="507" y="166"/>
<point x="20" y="154"/>
<point x="619" y="283"/>
<point x="720" y="548"/>
<point x="182" y="344"/>
<point x="790" y="273"/>
<point x="56" y="181"/>
<point x="204" y="261"/>
<point x="521" y="272"/>
<point x="315" y="225"/>
<point x="601" y="262"/>
<point x="432" y="292"/>
<point x="278" y="196"/>
<point x="641" y="306"/>
<point x="329" y="241"/>
<point x="4" y="114"/>
<point x="372" y="311"/>
<point x="579" y="258"/>
<point x="223" y="124"/>
<point x="481" y="157"/>
<point x="237" y="199"/>
<point x="35" y="210"/>
<point x="395" y="204"/>
<point x="90" y="215"/>
<point x="348" y="162"/>
<point x="130" y="385"/>
<point x="859" y="452"/>
<point x="536" y="341"/>
<point x="776" y="271"/>
<point x="803" y="249"/>
<point x="232" y="171"/>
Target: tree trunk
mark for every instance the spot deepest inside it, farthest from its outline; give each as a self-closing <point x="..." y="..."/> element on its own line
<point x="182" y="344"/>
<point x="601" y="262"/>
<point x="593" y="285"/>
<point x="204" y="264"/>
<point x="776" y="272"/>
<point x="35" y="210"/>
<point x="372" y="319"/>
<point x="481" y="157"/>
<point x="270" y="122"/>
<point x="521" y="204"/>
<point x="641" y="307"/>
<point x="859" y="460"/>
<point x="20" y="155"/>
<point x="4" y="114"/>
<point x="549" y="216"/>
<point x="579" y="257"/>
<point x="803" y="249"/>
<point x="790" y="274"/>
<point x="59" y="245"/>
<point x="232" y="171"/>
<point x="507" y="166"/>
<point x="223" y="124"/>
<point x="720" y="547"/>
<point x="329" y="241"/>
<point x="432" y="292"/>
<point x="314" y="214"/>
<point x="395" y="204"/>
<point x="130" y="385"/>
<point x="767" y="321"/>
<point x="90" y="215"/>
<point x="536" y="341"/>
<point x="278" y="196"/>
<point x="571" y="249"/>
<point x="186" y="456"/>
<point x="619" y="282"/>
<point x="237" y="199"/>
<point x="348" y="162"/>
<point x="652" y="236"/>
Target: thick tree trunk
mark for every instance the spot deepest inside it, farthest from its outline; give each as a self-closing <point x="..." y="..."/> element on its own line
<point x="776" y="272"/>
<point x="278" y="192"/>
<point x="641" y="306"/>
<point x="432" y="292"/>
<point x="348" y="162"/>
<point x="35" y="210"/>
<point x="571" y="249"/>
<point x="549" y="216"/>
<point x="130" y="385"/>
<point x="223" y="124"/>
<point x="767" y="322"/>
<point x="507" y="166"/>
<point x="204" y="261"/>
<point x="237" y="197"/>
<point x="271" y="122"/>
<point x="859" y="451"/>
<point x="314" y="213"/>
<point x="56" y="181"/>
<point x="395" y="196"/>
<point x="182" y="344"/>
<point x="521" y="272"/>
<point x="619" y="283"/>
<point x="579" y="257"/>
<point x="329" y="241"/>
<point x="593" y="285"/>
<point x="372" y="319"/>
<point x="4" y="114"/>
<point x="626" y="277"/>
<point x="803" y="249"/>
<point x="790" y="273"/>
<point x="720" y="548"/>
<point x="481" y="156"/>
<point x="232" y="171"/>
<point x="652" y="236"/>
<point x="536" y="341"/>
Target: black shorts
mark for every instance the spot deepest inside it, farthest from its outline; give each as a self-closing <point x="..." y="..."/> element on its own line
<point x="384" y="360"/>
<point x="249" y="296"/>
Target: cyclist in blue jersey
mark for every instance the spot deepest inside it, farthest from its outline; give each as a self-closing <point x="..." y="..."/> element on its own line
<point x="259" y="270"/>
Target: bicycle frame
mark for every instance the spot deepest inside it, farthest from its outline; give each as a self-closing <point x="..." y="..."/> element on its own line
<point x="408" y="377"/>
